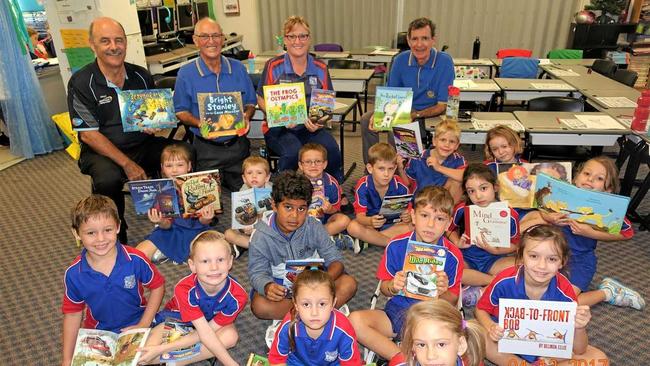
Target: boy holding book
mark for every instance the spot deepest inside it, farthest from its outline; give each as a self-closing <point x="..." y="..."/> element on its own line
<point x="431" y="217"/>
<point x="369" y="193"/>
<point x="326" y="196"/>
<point x="441" y="165"/>
<point x="288" y="234"/>
<point x="107" y="279"/>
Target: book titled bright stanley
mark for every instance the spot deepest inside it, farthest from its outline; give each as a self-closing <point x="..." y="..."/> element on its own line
<point x="221" y="114"/>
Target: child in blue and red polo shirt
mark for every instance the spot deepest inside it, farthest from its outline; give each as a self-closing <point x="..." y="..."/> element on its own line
<point x="107" y="278"/>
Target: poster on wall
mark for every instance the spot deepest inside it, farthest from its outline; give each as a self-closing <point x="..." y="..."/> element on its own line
<point x="231" y="7"/>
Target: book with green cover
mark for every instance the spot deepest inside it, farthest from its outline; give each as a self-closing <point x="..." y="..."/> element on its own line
<point x="392" y="107"/>
<point x="285" y="104"/>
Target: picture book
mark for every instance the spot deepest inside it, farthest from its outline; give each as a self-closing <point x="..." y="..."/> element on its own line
<point x="491" y="223"/>
<point x="293" y="267"/>
<point x="392" y="107"/>
<point x="393" y="206"/>
<point x="322" y="103"/>
<point x="249" y="205"/>
<point x="257" y="360"/>
<point x="604" y="211"/>
<point x="317" y="198"/>
<point x="421" y="262"/>
<point x="285" y="104"/>
<point x="96" y="347"/>
<point x="199" y="190"/>
<point x="173" y="330"/>
<point x="408" y="140"/>
<point x="517" y="180"/>
<point x="160" y="194"/>
<point x="147" y="108"/>
<point x="221" y="114"/>
<point x="539" y="328"/>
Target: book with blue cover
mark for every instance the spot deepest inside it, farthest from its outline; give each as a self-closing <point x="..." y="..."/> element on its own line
<point x="146" y="108"/>
<point x="421" y="262"/>
<point x="293" y="267"/>
<point x="249" y="205"/>
<point x="160" y="194"/>
<point x="392" y="107"/>
<point x="221" y="114"/>
<point x="604" y="211"/>
<point x="322" y="103"/>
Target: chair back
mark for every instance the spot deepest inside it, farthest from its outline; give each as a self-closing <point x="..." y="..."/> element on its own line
<point x="627" y="77"/>
<point x="328" y="47"/>
<point x="519" y="67"/>
<point x="343" y="64"/>
<point x="556" y="104"/>
<point x="401" y="42"/>
<point x="513" y="52"/>
<point x="166" y="82"/>
<point x="564" y="53"/>
<point x="604" y="67"/>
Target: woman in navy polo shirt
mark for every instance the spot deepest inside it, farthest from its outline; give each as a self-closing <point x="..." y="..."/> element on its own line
<point x="295" y="66"/>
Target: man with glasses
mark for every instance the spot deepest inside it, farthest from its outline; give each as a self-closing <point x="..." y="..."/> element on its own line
<point x="213" y="72"/>
<point x="427" y="71"/>
<point x="109" y="155"/>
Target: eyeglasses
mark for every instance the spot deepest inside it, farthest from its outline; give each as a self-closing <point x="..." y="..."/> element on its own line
<point x="207" y="37"/>
<point x="312" y="162"/>
<point x="292" y="37"/>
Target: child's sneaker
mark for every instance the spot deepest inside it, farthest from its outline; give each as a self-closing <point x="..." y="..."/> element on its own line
<point x="270" y="332"/>
<point x="622" y="295"/>
<point x="158" y="257"/>
<point x="344" y="241"/>
<point x="345" y="309"/>
<point x="471" y="294"/>
<point x="358" y="246"/>
<point x="235" y="251"/>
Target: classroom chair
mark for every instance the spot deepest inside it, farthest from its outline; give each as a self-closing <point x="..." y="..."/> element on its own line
<point x="627" y="77"/>
<point x="519" y="67"/>
<point x="401" y="42"/>
<point x="561" y="104"/>
<point x="604" y="67"/>
<point x="564" y="53"/>
<point x="328" y="47"/>
<point x="513" y="52"/>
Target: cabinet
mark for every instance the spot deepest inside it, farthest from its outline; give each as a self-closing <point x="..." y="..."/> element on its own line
<point x="596" y="39"/>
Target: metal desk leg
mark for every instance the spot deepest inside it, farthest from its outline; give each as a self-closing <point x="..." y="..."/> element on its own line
<point x="346" y="174"/>
<point x="632" y="152"/>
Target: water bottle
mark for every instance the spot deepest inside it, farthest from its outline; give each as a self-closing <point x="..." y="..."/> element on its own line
<point x="453" y="102"/>
<point x="476" y="49"/>
<point x="641" y="112"/>
<point x="251" y="63"/>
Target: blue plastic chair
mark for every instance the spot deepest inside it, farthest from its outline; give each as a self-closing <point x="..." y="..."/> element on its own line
<point x="519" y="67"/>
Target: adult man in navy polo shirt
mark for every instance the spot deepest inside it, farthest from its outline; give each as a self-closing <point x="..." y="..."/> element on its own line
<point x="109" y="155"/>
<point x="427" y="71"/>
<point x="212" y="72"/>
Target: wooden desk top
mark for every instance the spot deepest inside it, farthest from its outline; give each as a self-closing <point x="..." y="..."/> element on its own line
<point x="508" y="84"/>
<point x="547" y="122"/>
<point x="629" y="93"/>
<point x="351" y="74"/>
<point x="477" y="85"/>
<point x="343" y="105"/>
<point x="556" y="70"/>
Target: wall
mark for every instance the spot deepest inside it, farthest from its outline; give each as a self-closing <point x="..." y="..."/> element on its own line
<point x="246" y="23"/>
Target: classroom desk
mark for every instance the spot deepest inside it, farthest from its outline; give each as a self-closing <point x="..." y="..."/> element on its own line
<point x="468" y="134"/>
<point x="477" y="90"/>
<point x="174" y="59"/>
<point x="373" y="55"/>
<point x="592" y="95"/>
<point x="594" y="81"/>
<point x="484" y="64"/>
<point x="352" y="80"/>
<point x="573" y="61"/>
<point x="560" y="71"/>
<point x="524" y="89"/>
<point x="543" y="128"/>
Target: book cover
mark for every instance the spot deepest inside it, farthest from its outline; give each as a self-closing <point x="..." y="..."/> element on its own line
<point x="408" y="140"/>
<point x="149" y="108"/>
<point x="317" y="197"/>
<point x="285" y="104"/>
<point x="221" y="114"/>
<point x="257" y="360"/>
<point x="492" y="223"/>
<point x="540" y="328"/>
<point x="160" y="194"/>
<point x="517" y="180"/>
<point x="604" y="211"/>
<point x="96" y="347"/>
<point x="322" y="103"/>
<point x="293" y="267"/>
<point x="173" y="330"/>
<point x="421" y="262"/>
<point x="392" y="107"/>
<point x="393" y="206"/>
<point x="249" y="205"/>
<point x="199" y="190"/>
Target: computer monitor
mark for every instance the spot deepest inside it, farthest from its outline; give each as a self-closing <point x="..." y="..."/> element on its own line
<point x="201" y="10"/>
<point x="166" y="21"/>
<point x="184" y="17"/>
<point x="147" y="30"/>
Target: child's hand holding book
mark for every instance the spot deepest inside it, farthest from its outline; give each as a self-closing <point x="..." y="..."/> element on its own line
<point x="378" y="221"/>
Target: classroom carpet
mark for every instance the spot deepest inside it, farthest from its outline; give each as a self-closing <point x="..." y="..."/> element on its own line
<point x="35" y="201"/>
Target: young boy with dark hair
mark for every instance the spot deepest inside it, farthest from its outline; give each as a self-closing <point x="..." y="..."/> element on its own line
<point x="289" y="233"/>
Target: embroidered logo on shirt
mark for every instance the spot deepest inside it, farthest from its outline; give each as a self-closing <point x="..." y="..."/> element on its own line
<point x="313" y="81"/>
<point x="105" y="99"/>
<point x="77" y="122"/>
<point x="430" y="94"/>
<point x="331" y="356"/>
<point x="129" y="282"/>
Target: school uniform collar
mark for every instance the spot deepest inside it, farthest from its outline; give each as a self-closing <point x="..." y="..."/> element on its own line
<point x="431" y="62"/>
<point x="200" y="292"/>
<point x="328" y="330"/>
<point x="121" y="258"/>
<point x="204" y="70"/>
<point x="310" y="70"/>
<point x="520" y="286"/>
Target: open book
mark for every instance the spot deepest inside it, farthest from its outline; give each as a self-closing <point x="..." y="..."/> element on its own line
<point x="517" y="181"/>
<point x="96" y="347"/>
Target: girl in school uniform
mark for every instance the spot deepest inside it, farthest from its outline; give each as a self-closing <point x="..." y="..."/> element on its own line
<point x="542" y="253"/>
<point x="314" y="332"/>
<point x="502" y="145"/>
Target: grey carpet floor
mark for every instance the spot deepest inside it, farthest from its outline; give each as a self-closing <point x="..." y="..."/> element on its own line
<point x="35" y="201"/>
